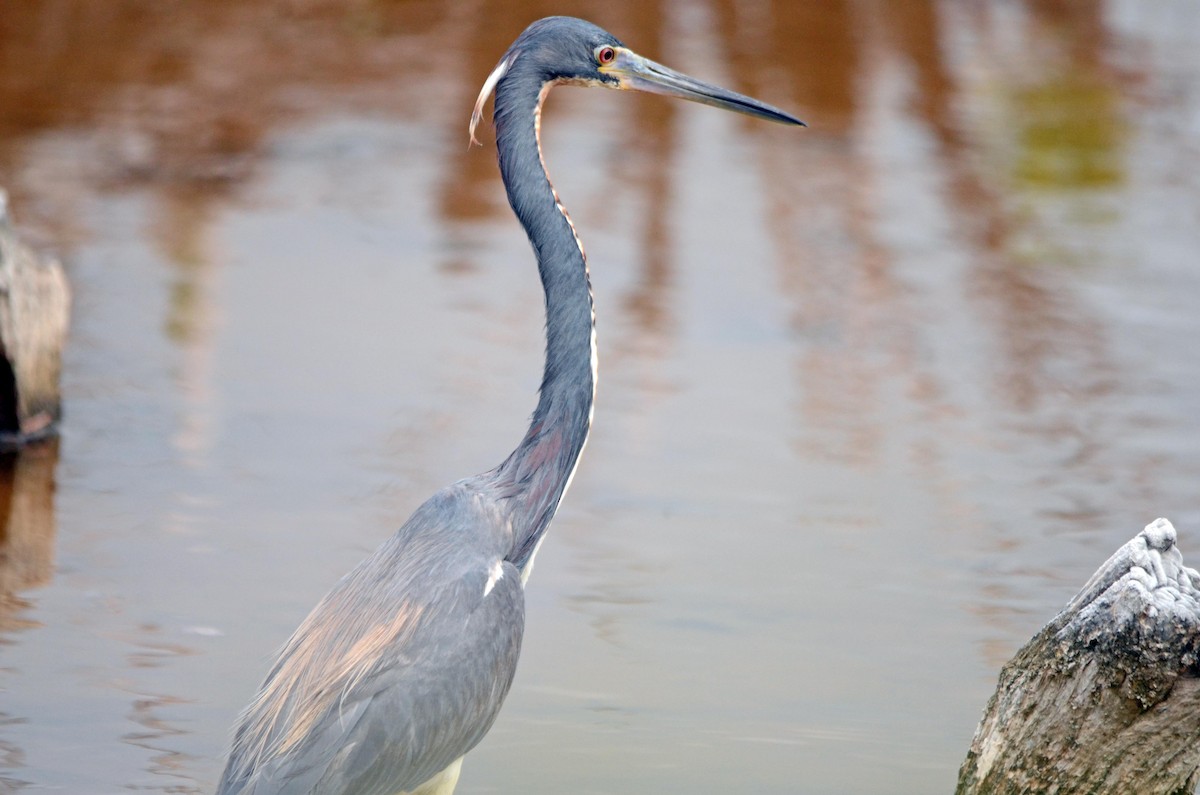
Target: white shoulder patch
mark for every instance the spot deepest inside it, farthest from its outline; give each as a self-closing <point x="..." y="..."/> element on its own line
<point x="495" y="575"/>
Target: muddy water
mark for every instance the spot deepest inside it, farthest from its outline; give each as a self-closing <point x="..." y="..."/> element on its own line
<point x="876" y="397"/>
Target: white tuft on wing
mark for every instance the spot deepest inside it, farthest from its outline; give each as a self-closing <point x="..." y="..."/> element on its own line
<point x="495" y="574"/>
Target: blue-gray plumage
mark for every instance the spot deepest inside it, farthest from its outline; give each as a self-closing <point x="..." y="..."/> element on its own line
<point x="401" y="669"/>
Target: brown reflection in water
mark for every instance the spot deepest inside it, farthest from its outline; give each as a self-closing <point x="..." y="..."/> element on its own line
<point x="12" y="757"/>
<point x="648" y="137"/>
<point x="1035" y="323"/>
<point x="802" y="55"/>
<point x="185" y="95"/>
<point x="914" y="29"/>
<point x="860" y="325"/>
<point x="832" y="268"/>
<point x="27" y="535"/>
<point x="27" y="529"/>
<point x="180" y="227"/>
<point x="1063" y="39"/>
<point x="1077" y="24"/>
<point x="155" y="733"/>
<point x="469" y="191"/>
<point x="1062" y="105"/>
<point x="1017" y="284"/>
<point x="130" y="78"/>
<point x="177" y="767"/>
<point x="848" y="309"/>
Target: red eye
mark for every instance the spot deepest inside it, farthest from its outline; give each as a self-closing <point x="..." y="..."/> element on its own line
<point x="606" y="55"/>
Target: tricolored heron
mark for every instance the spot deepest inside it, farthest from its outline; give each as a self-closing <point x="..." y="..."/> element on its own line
<point x="401" y="669"/>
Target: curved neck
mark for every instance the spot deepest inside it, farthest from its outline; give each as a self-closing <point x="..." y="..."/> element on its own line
<point x="538" y="472"/>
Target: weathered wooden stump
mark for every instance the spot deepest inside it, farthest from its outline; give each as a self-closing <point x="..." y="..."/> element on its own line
<point x="1106" y="697"/>
<point x="35" y="305"/>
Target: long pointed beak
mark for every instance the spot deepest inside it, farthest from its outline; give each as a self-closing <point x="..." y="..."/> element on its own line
<point x="641" y="74"/>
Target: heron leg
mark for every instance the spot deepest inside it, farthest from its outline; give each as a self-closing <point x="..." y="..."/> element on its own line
<point x="441" y="784"/>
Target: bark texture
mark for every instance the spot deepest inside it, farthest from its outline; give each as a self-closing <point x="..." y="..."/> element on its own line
<point x="34" y="313"/>
<point x="1106" y="697"/>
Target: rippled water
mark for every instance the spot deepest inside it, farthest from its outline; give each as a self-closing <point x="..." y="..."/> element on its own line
<point x="876" y="397"/>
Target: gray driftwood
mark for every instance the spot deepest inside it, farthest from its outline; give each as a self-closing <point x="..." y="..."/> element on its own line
<point x="34" y="310"/>
<point x="1106" y="698"/>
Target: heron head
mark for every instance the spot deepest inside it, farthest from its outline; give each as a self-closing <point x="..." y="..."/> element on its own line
<point x="574" y="51"/>
<point x="566" y="50"/>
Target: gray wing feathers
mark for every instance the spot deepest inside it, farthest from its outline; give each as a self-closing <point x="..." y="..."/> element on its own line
<point x="449" y="705"/>
<point x="398" y="672"/>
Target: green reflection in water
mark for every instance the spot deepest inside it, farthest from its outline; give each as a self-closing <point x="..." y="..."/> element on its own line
<point x="1071" y="134"/>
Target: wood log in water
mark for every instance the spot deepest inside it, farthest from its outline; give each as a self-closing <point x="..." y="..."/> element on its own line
<point x="1106" y="697"/>
<point x="34" y="314"/>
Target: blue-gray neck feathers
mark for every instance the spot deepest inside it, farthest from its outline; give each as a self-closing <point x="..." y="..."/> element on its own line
<point x="539" y="470"/>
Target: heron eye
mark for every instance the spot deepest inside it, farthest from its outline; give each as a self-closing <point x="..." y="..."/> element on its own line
<point x="606" y="55"/>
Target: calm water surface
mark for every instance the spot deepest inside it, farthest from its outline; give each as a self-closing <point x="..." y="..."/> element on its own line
<point x="876" y="397"/>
